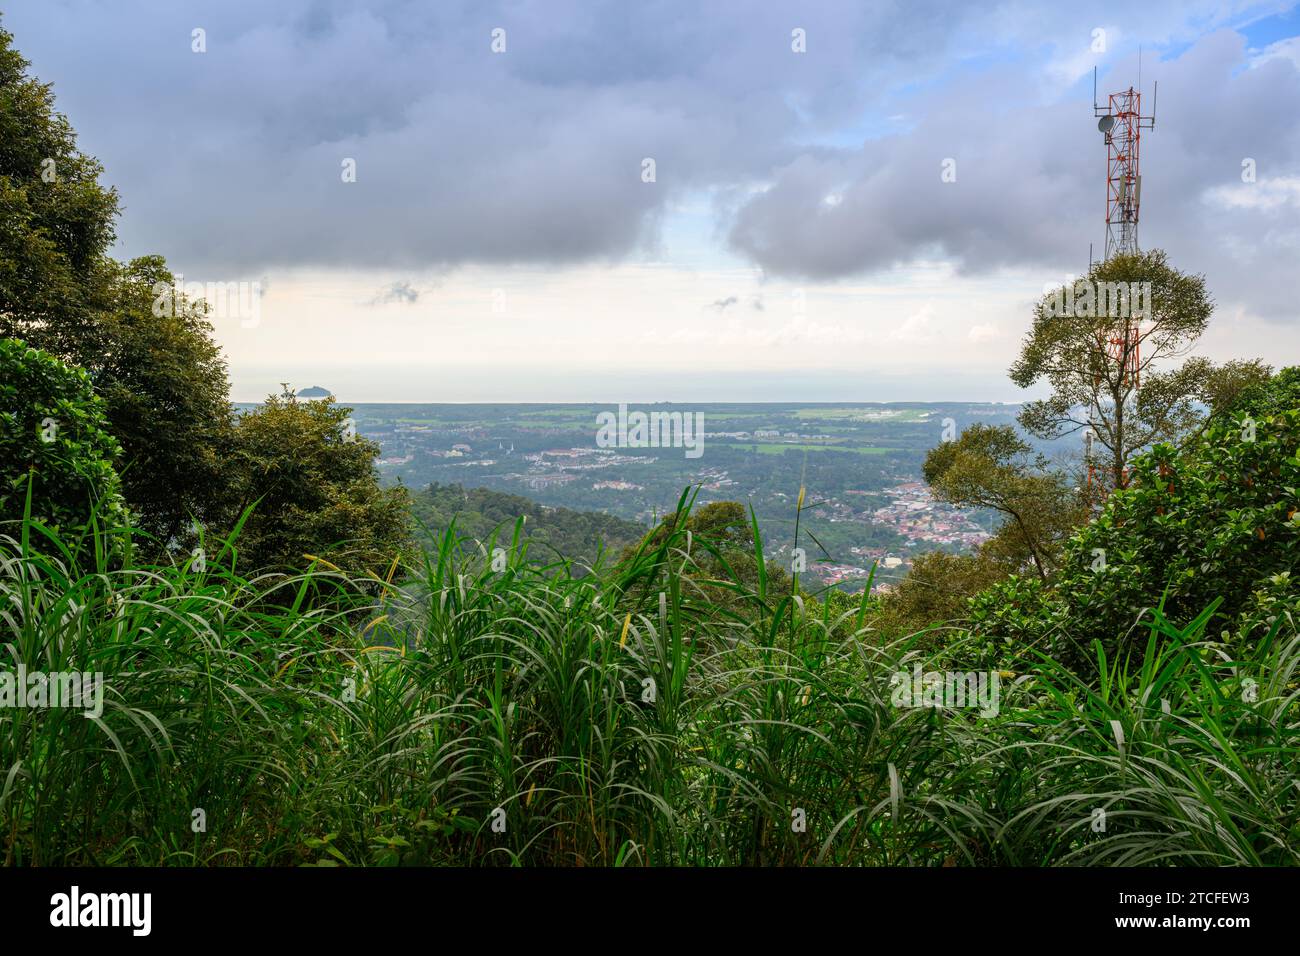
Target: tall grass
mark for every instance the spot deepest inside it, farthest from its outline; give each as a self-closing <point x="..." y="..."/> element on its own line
<point x="645" y="713"/>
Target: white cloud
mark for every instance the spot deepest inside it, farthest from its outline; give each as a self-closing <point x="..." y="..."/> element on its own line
<point x="1264" y="194"/>
<point x="1288" y="49"/>
<point x="917" y="328"/>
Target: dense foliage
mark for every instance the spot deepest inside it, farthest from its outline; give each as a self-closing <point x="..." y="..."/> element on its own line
<point x="56" y="222"/>
<point x="729" y="551"/>
<point x="53" y="443"/>
<point x="164" y="385"/>
<point x="309" y="480"/>
<point x="1215" y="520"/>
<point x="618" y="719"/>
<point x="187" y="469"/>
<point x="993" y="467"/>
<point x="550" y="532"/>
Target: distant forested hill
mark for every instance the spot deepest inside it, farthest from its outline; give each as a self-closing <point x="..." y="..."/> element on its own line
<point x="477" y="511"/>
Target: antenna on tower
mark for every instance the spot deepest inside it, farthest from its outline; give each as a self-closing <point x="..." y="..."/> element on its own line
<point x="1121" y="123"/>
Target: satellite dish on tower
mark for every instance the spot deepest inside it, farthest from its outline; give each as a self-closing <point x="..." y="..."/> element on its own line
<point x="1106" y="123"/>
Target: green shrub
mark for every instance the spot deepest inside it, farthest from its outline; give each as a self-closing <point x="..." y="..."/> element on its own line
<point x="1214" y="520"/>
<point x="1277" y="394"/>
<point x="52" y="428"/>
<point x="937" y="591"/>
<point x="311" y="483"/>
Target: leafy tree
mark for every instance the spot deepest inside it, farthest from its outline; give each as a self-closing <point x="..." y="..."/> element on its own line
<point x="985" y="467"/>
<point x="1129" y="402"/>
<point x="161" y="375"/>
<point x="937" y="590"/>
<point x="723" y="523"/>
<point x="58" y="222"/>
<point x="1251" y="387"/>
<point x="52" y="428"/>
<point x="993" y="467"/>
<point x="1215" y="521"/>
<point x="164" y="382"/>
<point x="314" y="491"/>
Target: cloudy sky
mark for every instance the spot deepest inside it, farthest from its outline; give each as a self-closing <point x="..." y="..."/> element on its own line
<point x="638" y="201"/>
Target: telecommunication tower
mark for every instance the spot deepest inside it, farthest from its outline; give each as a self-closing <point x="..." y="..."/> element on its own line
<point x="1121" y="123"/>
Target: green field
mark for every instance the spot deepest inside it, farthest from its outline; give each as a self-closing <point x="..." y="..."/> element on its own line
<point x="776" y="448"/>
<point x="562" y="414"/>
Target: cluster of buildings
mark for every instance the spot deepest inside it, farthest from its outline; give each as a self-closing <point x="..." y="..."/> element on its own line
<point x="882" y="557"/>
<point x="840" y="573"/>
<point x="459" y="450"/>
<point x="776" y="433"/>
<point x="714" y="479"/>
<point x="556" y="467"/>
<point x="913" y="513"/>
<point x="767" y="434"/>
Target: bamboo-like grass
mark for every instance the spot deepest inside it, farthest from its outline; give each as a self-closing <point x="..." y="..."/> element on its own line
<point x="640" y="712"/>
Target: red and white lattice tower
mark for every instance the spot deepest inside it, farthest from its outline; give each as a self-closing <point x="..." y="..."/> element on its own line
<point x="1121" y="122"/>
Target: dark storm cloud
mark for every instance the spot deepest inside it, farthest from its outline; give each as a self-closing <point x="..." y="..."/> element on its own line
<point x="1027" y="181"/>
<point x="234" y="157"/>
<point x="823" y="164"/>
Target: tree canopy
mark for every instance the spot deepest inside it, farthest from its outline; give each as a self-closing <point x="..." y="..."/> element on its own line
<point x="164" y="382"/>
<point x="312" y="485"/>
<point x="58" y="222"/>
<point x="53" y="432"/>
<point x="552" y="532"/>
<point x="1215" y="522"/>
<point x="993" y="467"/>
<point x="1104" y="345"/>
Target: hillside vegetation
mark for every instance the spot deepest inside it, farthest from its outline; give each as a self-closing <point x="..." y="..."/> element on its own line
<point x="1214" y="522"/>
<point x="621" y="718"/>
<point x="552" y="533"/>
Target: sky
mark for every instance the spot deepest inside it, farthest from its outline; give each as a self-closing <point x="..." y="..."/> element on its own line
<point x="664" y="201"/>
